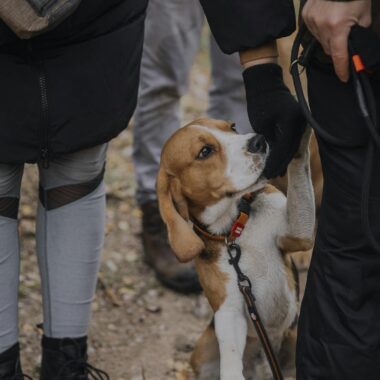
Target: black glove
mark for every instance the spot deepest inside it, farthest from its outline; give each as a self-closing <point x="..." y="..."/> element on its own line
<point x="274" y="113"/>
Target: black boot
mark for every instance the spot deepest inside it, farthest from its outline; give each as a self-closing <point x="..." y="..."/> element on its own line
<point x="10" y="367"/>
<point x="66" y="359"/>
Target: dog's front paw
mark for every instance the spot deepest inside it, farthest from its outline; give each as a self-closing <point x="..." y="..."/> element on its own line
<point x="303" y="150"/>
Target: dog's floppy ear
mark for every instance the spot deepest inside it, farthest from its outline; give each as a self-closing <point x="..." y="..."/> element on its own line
<point x="183" y="240"/>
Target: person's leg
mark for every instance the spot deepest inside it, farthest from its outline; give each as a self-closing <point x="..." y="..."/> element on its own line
<point x="70" y="235"/>
<point x="227" y="94"/>
<point x="339" y="328"/>
<point x="10" y="183"/>
<point x="172" y="36"/>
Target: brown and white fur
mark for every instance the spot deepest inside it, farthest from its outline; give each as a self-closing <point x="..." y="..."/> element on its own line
<point x="208" y="190"/>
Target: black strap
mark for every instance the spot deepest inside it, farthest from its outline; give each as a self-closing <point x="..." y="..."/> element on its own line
<point x="245" y="203"/>
<point x="63" y="195"/>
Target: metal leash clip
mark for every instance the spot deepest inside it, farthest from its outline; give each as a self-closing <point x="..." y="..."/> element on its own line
<point x="234" y="252"/>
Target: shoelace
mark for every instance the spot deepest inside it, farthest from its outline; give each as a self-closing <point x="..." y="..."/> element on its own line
<point x="82" y="368"/>
<point x="96" y="373"/>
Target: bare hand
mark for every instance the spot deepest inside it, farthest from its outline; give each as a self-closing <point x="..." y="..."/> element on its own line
<point x="330" y="22"/>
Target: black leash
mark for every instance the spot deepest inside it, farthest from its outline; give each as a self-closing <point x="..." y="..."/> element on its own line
<point x="367" y="105"/>
<point x="245" y="287"/>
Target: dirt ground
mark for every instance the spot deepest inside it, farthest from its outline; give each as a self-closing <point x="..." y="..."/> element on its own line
<point x="139" y="330"/>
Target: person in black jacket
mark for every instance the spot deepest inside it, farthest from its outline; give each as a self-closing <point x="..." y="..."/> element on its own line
<point x="339" y="328"/>
<point x="339" y="331"/>
<point x="63" y="96"/>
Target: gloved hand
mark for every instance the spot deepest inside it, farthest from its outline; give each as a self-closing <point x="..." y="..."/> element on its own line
<point x="274" y="113"/>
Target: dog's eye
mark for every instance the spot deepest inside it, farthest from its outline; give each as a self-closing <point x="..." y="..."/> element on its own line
<point x="205" y="152"/>
<point x="233" y="127"/>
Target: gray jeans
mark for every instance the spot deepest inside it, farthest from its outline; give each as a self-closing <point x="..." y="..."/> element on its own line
<point x="70" y="238"/>
<point x="172" y="37"/>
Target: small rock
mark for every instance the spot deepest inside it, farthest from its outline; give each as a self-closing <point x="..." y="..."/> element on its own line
<point x="183" y="344"/>
<point x="154" y="293"/>
<point x="123" y="226"/>
<point x="131" y="257"/>
<point x="153" y="308"/>
<point x="138" y="377"/>
<point x="111" y="266"/>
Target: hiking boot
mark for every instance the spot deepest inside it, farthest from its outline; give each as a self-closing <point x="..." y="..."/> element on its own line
<point x="10" y="367"/>
<point x="66" y="359"/>
<point x="175" y="275"/>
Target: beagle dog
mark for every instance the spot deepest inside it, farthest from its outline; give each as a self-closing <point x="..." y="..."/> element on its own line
<point x="206" y="168"/>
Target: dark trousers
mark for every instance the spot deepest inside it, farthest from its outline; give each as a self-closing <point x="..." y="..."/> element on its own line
<point x="339" y="328"/>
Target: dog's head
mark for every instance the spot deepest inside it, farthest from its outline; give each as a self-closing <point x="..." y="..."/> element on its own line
<point x="201" y="164"/>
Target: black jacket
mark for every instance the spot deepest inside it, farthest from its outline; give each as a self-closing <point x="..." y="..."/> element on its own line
<point x="76" y="86"/>
<point x="71" y="88"/>
<point x="242" y="24"/>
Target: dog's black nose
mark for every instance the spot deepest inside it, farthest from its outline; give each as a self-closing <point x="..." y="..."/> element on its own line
<point x="257" y="144"/>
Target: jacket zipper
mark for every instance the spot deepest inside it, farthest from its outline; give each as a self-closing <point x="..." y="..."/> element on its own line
<point x="38" y="64"/>
<point x="44" y="115"/>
